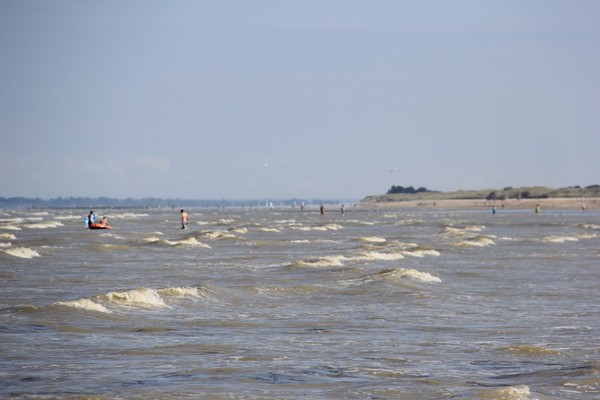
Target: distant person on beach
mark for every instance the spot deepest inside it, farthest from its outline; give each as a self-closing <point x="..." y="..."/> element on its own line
<point x="538" y="209"/>
<point x="494" y="210"/>
<point x="322" y="209"/>
<point x="184" y="219"/>
<point x="343" y="209"/>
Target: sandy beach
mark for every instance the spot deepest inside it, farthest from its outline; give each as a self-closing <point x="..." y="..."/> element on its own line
<point x="579" y="204"/>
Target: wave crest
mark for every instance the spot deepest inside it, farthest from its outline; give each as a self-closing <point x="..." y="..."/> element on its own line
<point x="7" y="236"/>
<point x="22" y="252"/>
<point x="328" y="261"/>
<point x="181" y="292"/>
<point x="143" y="298"/>
<point x="84" y="304"/>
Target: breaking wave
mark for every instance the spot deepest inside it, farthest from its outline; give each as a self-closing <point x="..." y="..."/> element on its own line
<point x="45" y="225"/>
<point x="480" y="241"/>
<point x="22" y="252"/>
<point x="371" y="239"/>
<point x="396" y="275"/>
<point x="7" y="236"/>
<point x="143" y="298"/>
<point x="137" y="298"/>
<point x="181" y="292"/>
<point x="84" y="304"/>
<point x="564" y="239"/>
<point x="521" y="392"/>
<point x="328" y="261"/>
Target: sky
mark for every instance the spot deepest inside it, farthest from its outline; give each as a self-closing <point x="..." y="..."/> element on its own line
<point x="199" y="99"/>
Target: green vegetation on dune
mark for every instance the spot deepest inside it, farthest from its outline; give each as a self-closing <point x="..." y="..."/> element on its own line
<point x="398" y="193"/>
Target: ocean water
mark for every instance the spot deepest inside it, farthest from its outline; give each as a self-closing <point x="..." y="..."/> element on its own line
<point x="287" y="304"/>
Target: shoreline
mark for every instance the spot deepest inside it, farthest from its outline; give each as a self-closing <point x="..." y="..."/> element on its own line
<point x="578" y="204"/>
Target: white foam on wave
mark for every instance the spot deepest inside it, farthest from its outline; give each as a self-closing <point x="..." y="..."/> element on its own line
<point x="397" y="274"/>
<point x="286" y="221"/>
<point x="587" y="236"/>
<point x="559" y="239"/>
<point x="129" y="215"/>
<point x="10" y="228"/>
<point x="564" y="239"/>
<point x="7" y="236"/>
<point x="215" y="235"/>
<point x="303" y="228"/>
<point x="467" y="230"/>
<point x="5" y="245"/>
<point x="476" y="242"/>
<point x="334" y="227"/>
<point x="416" y="274"/>
<point x="181" y="292"/>
<point x="591" y="226"/>
<point x="111" y="235"/>
<point x="16" y="220"/>
<point x="422" y="253"/>
<point x="274" y="230"/>
<point x="224" y="221"/>
<point x="44" y="225"/>
<point x="139" y="298"/>
<point x="359" y="222"/>
<point x="191" y="242"/>
<point x="328" y="261"/>
<point x="520" y="392"/>
<point x="371" y="239"/>
<point x="67" y="217"/>
<point x="321" y="228"/>
<point x="84" y="304"/>
<point x="378" y="256"/>
<point x="22" y="252"/>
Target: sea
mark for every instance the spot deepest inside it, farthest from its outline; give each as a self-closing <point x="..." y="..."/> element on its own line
<point x="289" y="303"/>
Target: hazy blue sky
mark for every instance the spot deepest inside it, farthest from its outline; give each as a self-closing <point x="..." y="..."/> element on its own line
<point x="313" y="99"/>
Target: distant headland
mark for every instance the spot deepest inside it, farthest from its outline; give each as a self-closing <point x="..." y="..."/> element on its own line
<point x="571" y="197"/>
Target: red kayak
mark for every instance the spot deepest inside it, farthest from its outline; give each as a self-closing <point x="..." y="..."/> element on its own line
<point x="99" y="226"/>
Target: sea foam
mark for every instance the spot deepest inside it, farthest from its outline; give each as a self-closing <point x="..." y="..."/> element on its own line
<point x="559" y="239"/>
<point x="142" y="298"/>
<point x="476" y="242"/>
<point x="22" y="252"/>
<point x="328" y="261"/>
<point x="9" y="227"/>
<point x="415" y="274"/>
<point x="374" y="255"/>
<point x="191" y="241"/>
<point x="7" y="236"/>
<point x="521" y="392"/>
<point x="371" y="239"/>
<point x="44" y="225"/>
<point x="397" y="274"/>
<point x="84" y="304"/>
<point x="181" y="292"/>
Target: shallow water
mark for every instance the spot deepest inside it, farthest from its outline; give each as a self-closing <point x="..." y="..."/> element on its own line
<point x="256" y="303"/>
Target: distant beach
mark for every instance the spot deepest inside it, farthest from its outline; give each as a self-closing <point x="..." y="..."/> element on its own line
<point x="514" y="204"/>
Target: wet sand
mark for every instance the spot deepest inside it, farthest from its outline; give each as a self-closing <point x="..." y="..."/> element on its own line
<point x="545" y="204"/>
